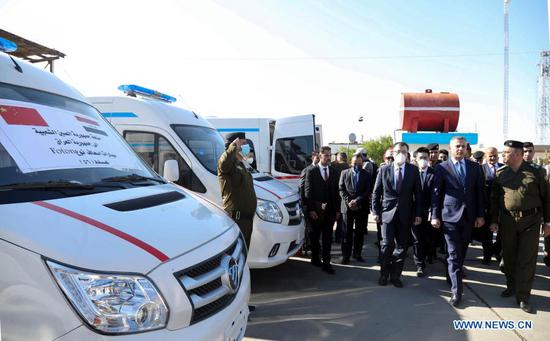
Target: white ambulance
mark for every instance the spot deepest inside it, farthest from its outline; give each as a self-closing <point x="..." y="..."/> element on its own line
<point x="94" y="245"/>
<point x="160" y="131"/>
<point x="280" y="147"/>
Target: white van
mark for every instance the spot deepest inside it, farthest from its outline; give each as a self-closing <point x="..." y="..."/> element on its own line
<point x="281" y="147"/>
<point x="160" y="131"/>
<point x="94" y="245"/>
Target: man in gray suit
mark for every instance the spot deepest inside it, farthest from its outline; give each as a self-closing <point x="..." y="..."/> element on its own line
<point x="396" y="202"/>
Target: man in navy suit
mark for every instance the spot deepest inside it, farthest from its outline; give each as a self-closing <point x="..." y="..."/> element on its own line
<point x="355" y="191"/>
<point x="396" y="202"/>
<point x="458" y="205"/>
<point x="422" y="235"/>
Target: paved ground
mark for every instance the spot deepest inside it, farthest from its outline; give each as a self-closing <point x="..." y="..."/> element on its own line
<point x="296" y="301"/>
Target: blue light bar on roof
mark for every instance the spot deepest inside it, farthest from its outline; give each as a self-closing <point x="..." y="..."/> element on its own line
<point x="7" y="45"/>
<point x="131" y="89"/>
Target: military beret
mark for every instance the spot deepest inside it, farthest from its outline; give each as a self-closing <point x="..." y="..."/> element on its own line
<point x="232" y="136"/>
<point x="433" y="146"/>
<point x="478" y="155"/>
<point x="513" y="144"/>
<point x="528" y="145"/>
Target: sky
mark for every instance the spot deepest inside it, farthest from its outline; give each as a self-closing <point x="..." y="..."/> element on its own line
<point x="273" y="58"/>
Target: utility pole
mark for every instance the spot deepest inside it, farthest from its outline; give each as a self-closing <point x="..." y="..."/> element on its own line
<point x="506" y="72"/>
<point x="543" y="100"/>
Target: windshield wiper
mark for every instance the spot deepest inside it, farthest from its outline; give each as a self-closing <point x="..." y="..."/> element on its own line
<point x="132" y="178"/>
<point x="60" y="184"/>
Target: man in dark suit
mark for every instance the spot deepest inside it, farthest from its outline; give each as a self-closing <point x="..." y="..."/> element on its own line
<point x="423" y="235"/>
<point x="458" y="205"/>
<point x="323" y="205"/>
<point x="314" y="162"/>
<point x="396" y="202"/>
<point x="484" y="234"/>
<point x="355" y="193"/>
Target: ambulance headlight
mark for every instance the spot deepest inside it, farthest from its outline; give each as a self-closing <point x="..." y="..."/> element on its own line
<point x="269" y="211"/>
<point x="112" y="303"/>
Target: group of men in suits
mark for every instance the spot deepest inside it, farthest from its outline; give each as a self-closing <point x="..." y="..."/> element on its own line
<point x="330" y="193"/>
<point x="411" y="200"/>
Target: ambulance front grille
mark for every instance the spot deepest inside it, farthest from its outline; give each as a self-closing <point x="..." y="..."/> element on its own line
<point x="208" y="284"/>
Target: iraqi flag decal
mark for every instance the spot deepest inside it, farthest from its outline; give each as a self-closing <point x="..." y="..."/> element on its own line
<point x="90" y="125"/>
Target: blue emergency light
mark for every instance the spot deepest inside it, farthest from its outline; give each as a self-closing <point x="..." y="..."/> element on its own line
<point x="132" y="90"/>
<point x="7" y="45"/>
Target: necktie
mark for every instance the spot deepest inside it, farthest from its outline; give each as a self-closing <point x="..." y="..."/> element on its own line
<point x="423" y="177"/>
<point x="494" y="168"/>
<point x="399" y="180"/>
<point x="355" y="180"/>
<point x="325" y="174"/>
<point x="461" y="174"/>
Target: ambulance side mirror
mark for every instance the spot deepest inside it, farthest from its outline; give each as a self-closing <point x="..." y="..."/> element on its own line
<point x="171" y="170"/>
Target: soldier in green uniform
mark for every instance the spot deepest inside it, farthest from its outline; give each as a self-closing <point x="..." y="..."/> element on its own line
<point x="528" y="156"/>
<point x="237" y="187"/>
<point x="520" y="200"/>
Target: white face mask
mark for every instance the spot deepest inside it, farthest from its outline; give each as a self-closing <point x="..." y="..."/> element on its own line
<point x="400" y="159"/>
<point x="422" y="163"/>
<point x="250" y="160"/>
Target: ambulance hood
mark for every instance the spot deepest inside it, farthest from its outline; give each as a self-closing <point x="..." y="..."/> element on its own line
<point x="131" y="237"/>
<point x="267" y="187"/>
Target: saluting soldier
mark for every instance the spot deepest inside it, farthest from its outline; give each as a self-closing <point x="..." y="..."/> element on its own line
<point x="520" y="199"/>
<point x="237" y="186"/>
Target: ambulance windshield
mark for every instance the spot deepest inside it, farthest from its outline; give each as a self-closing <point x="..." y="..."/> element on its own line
<point x="49" y="142"/>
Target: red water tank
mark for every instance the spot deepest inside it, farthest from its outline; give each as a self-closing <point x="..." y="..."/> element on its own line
<point x="428" y="111"/>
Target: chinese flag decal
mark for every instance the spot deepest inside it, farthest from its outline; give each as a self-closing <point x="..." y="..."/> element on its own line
<point x="21" y="116"/>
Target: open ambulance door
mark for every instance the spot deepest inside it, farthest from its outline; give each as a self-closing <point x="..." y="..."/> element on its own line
<point x="293" y="143"/>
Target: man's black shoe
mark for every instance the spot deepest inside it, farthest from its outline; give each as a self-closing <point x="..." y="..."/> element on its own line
<point x="316" y="262"/>
<point x="328" y="269"/>
<point x="526" y="307"/>
<point x="508" y="293"/>
<point x="455" y="300"/>
<point x="396" y="282"/>
<point x="344" y="261"/>
<point x="383" y="280"/>
<point x="420" y="272"/>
